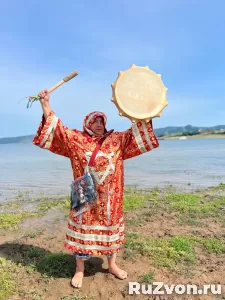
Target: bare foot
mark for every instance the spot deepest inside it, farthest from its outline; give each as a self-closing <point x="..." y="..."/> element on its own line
<point x="119" y="273"/>
<point x="77" y="279"/>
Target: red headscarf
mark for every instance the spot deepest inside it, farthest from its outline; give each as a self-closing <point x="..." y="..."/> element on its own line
<point x="89" y="120"/>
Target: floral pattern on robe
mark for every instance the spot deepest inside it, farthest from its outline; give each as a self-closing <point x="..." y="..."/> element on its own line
<point x="99" y="230"/>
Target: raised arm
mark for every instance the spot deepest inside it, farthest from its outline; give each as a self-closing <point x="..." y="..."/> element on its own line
<point x="45" y="103"/>
<point x="140" y="138"/>
<point x="52" y="134"/>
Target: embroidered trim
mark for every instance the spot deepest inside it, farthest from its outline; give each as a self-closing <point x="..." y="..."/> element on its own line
<point x="108" y="205"/>
<point x="95" y="237"/>
<point x="96" y="227"/>
<point x="147" y="135"/>
<point x="101" y="176"/>
<point x="93" y="247"/>
<point x="50" y="133"/>
<point x="138" y="138"/>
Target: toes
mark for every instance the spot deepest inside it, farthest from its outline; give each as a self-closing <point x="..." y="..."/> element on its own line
<point x="76" y="283"/>
<point x="73" y="283"/>
<point x="124" y="275"/>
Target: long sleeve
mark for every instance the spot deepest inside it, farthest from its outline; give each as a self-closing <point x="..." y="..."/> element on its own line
<point x="140" y="138"/>
<point x="53" y="136"/>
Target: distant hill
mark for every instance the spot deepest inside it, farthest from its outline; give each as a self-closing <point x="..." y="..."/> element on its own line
<point x="158" y="132"/>
<point x="188" y="128"/>
<point x="17" y="139"/>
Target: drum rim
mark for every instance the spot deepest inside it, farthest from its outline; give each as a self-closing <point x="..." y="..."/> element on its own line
<point x="132" y="115"/>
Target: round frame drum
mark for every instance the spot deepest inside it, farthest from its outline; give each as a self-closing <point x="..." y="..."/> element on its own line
<point x="139" y="94"/>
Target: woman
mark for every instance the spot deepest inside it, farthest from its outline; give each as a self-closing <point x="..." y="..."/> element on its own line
<point x="99" y="230"/>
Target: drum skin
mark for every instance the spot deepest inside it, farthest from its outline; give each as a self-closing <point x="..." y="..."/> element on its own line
<point x="139" y="94"/>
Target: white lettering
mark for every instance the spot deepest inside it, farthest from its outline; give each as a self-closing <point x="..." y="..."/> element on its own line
<point x="159" y="288"/>
<point x="213" y="289"/>
<point x="180" y="289"/>
<point x="192" y="287"/>
<point x="169" y="289"/>
<point x="157" y="291"/>
<point x="148" y="291"/>
<point x="134" y="287"/>
<point x="206" y="288"/>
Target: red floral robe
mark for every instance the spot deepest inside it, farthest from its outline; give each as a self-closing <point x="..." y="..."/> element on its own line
<point x="99" y="230"/>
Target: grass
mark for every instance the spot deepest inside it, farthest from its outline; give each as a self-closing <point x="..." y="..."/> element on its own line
<point x="8" y="220"/>
<point x="7" y="285"/>
<point x="221" y="186"/>
<point x="178" y="253"/>
<point x="192" y="221"/>
<point x="34" y="293"/>
<point x="43" y="207"/>
<point x="135" y="222"/>
<point x="63" y="204"/>
<point x="212" y="245"/>
<point x="183" y="202"/>
<point x="34" y="233"/>
<point x="23" y="260"/>
<point x="135" y="199"/>
<point x="12" y="204"/>
<point x="50" y="237"/>
<point x="170" y="252"/>
<point x="189" y="206"/>
<point x="58" y="265"/>
<point x="33" y="258"/>
<point x="195" y="205"/>
<point x="76" y="296"/>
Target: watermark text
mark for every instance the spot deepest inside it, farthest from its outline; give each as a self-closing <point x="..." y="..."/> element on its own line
<point x="160" y="288"/>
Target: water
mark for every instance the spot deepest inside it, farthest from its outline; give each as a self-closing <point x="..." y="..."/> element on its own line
<point x="200" y="163"/>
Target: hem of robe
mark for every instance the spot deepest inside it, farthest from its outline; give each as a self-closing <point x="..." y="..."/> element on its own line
<point x="95" y="251"/>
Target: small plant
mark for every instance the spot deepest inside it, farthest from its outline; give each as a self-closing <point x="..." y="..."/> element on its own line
<point x="147" y="278"/>
<point x="51" y="237"/>
<point x="33" y="234"/>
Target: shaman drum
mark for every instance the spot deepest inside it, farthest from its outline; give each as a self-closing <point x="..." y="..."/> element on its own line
<point x="139" y="94"/>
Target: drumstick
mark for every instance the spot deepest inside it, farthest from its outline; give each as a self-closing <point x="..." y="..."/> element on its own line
<point x="54" y="87"/>
<point x="65" y="79"/>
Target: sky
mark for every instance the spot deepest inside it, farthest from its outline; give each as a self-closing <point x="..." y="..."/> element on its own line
<point x="43" y="41"/>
